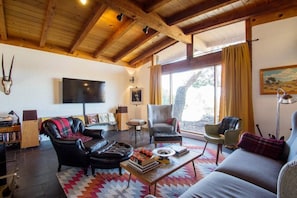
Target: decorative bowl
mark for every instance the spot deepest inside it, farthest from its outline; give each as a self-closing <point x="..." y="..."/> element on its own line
<point x="163" y="152"/>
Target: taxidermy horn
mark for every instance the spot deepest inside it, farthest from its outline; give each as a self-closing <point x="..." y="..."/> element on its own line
<point x="6" y="80"/>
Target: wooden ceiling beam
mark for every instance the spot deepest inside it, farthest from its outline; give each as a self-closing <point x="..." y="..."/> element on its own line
<point x="94" y="17"/>
<point x="151" y="19"/>
<point x="50" y="13"/>
<point x="3" y="30"/>
<point x="154" y="49"/>
<point x="155" y="5"/>
<point x="127" y="25"/>
<point x="137" y="43"/>
<point x="238" y="15"/>
<point x="199" y="9"/>
<point x="58" y="50"/>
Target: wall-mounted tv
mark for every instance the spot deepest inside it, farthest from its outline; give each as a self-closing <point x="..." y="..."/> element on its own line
<point x="83" y="91"/>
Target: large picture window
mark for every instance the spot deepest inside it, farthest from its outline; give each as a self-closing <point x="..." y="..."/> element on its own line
<point x="195" y="95"/>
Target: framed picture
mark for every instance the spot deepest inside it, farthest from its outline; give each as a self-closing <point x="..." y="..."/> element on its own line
<point x="136" y="96"/>
<point x="284" y="77"/>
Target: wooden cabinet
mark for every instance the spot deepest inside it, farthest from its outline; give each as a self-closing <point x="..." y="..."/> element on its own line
<point x="30" y="134"/>
<point x="11" y="134"/>
<point x="122" y="119"/>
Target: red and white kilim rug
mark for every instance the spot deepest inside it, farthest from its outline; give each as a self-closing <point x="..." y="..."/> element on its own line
<point x="108" y="183"/>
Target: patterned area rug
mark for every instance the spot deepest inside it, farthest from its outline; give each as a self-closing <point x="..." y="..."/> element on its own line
<point x="108" y="183"/>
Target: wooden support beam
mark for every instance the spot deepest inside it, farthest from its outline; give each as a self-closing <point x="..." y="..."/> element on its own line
<point x="151" y="19"/>
<point x="199" y="9"/>
<point x="241" y="14"/>
<point x="194" y="63"/>
<point x="58" y="50"/>
<point x="3" y="30"/>
<point x="50" y="13"/>
<point x="127" y="24"/>
<point x="154" y="49"/>
<point x="98" y="12"/>
<point x="154" y="5"/>
<point x="137" y="43"/>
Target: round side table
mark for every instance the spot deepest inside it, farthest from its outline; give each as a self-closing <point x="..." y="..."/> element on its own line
<point x="135" y="123"/>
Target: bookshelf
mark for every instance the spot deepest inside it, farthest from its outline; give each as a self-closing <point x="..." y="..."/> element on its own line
<point x="10" y="134"/>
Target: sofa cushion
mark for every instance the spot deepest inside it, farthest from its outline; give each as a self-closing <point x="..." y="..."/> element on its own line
<point x="257" y="169"/>
<point x="218" y="184"/>
<point x="162" y="127"/>
<point x="268" y="147"/>
<point x="78" y="135"/>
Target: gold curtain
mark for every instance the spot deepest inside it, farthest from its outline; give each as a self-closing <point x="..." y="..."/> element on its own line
<point x="155" y="84"/>
<point x="236" y="92"/>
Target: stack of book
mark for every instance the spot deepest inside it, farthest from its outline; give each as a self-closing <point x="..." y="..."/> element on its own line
<point x="179" y="150"/>
<point x="143" y="160"/>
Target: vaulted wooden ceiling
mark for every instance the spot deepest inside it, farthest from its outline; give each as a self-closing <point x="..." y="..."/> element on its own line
<point x="92" y="31"/>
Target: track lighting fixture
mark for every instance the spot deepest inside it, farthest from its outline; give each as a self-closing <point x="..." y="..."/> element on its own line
<point x="120" y="17"/>
<point x="146" y="29"/>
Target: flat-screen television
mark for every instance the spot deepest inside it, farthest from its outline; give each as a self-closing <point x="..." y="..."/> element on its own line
<point x="83" y="91"/>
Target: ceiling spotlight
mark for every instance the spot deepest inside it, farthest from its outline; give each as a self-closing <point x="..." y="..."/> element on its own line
<point x="120" y="17"/>
<point x="146" y="29"/>
<point x="84" y="2"/>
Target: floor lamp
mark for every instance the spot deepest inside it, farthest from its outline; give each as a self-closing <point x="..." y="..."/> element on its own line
<point x="282" y="98"/>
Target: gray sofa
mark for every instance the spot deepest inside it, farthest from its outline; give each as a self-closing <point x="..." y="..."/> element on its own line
<point x="248" y="174"/>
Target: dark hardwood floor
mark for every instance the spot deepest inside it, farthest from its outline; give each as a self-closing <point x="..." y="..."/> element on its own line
<point x="37" y="167"/>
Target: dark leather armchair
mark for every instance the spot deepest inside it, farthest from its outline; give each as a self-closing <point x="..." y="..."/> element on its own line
<point x="73" y="145"/>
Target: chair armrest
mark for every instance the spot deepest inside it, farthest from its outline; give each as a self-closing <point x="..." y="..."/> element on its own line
<point x="211" y="129"/>
<point x="95" y="133"/>
<point x="232" y="137"/>
<point x="287" y="179"/>
<point x="75" y="144"/>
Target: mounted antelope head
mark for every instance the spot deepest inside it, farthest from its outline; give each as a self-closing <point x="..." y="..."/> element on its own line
<point x="6" y="80"/>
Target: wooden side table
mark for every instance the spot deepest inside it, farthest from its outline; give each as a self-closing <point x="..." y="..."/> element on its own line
<point x="135" y="123"/>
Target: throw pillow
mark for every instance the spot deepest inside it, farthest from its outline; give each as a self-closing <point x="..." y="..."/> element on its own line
<point x="268" y="147"/>
<point x="63" y="126"/>
<point x="228" y="123"/>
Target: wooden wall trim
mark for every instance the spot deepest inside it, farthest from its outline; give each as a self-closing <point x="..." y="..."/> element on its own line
<point x="194" y="63"/>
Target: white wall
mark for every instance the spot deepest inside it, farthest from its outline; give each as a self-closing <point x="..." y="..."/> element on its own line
<point x="277" y="46"/>
<point x="37" y="84"/>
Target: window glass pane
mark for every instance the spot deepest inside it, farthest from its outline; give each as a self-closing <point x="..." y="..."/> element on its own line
<point x="195" y="97"/>
<point x="166" y="89"/>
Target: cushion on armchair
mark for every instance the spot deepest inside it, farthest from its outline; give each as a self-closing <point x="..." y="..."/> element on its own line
<point x="63" y="126"/>
<point x="228" y="123"/>
<point x="65" y="131"/>
<point x="268" y="147"/>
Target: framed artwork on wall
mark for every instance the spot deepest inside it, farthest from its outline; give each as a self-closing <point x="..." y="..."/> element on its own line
<point x="284" y="77"/>
<point x="136" y="96"/>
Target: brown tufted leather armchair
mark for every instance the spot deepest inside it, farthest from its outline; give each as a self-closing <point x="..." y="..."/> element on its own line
<point x="74" y="149"/>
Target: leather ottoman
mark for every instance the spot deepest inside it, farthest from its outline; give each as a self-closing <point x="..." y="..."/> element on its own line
<point x="167" y="138"/>
<point x="111" y="157"/>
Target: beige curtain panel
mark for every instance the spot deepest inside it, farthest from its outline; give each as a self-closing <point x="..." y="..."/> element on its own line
<point x="236" y="92"/>
<point x="155" y="84"/>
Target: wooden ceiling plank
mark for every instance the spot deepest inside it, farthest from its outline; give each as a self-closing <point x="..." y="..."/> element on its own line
<point x="238" y="15"/>
<point x="127" y="25"/>
<point x="154" y="49"/>
<point x="155" y="5"/>
<point x="135" y="45"/>
<point x="3" y="30"/>
<point x="50" y="13"/>
<point x="152" y="20"/>
<point x="199" y="9"/>
<point x="94" y="17"/>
